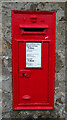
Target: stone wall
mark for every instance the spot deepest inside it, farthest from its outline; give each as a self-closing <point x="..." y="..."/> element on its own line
<point x="59" y="110"/>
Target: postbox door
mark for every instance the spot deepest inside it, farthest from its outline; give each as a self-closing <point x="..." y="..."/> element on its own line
<point x="33" y="73"/>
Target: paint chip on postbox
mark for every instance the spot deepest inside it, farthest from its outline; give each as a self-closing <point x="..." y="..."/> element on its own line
<point x="33" y="54"/>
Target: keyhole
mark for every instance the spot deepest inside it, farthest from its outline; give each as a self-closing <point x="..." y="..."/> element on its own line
<point x="23" y="74"/>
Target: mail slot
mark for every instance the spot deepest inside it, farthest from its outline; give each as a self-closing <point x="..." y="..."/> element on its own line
<point x="33" y="59"/>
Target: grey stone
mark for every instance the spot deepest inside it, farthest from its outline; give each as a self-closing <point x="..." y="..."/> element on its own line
<point x="33" y="6"/>
<point x="40" y="6"/>
<point x="59" y="14"/>
<point x="35" y="116"/>
<point x="26" y="6"/>
<point x="7" y="84"/>
<point x="63" y="99"/>
<point x="27" y="117"/>
<point x="59" y="109"/>
<point x="59" y="63"/>
<point x="6" y="104"/>
<point x="6" y="115"/>
<point x="0" y="95"/>
<point x="15" y="114"/>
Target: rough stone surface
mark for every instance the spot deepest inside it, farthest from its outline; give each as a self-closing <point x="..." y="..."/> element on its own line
<point x="59" y="111"/>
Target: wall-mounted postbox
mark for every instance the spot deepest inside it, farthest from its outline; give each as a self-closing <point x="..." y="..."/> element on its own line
<point x="33" y="59"/>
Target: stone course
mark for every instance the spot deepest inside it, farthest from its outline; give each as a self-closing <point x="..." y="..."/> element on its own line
<point x="59" y="110"/>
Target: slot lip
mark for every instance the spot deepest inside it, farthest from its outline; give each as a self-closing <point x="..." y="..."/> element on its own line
<point x="31" y="33"/>
<point x="33" y="26"/>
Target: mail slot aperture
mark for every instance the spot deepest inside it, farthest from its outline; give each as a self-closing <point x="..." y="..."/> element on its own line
<point x="33" y="29"/>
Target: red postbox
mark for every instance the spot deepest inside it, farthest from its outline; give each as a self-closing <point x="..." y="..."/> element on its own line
<point x="33" y="59"/>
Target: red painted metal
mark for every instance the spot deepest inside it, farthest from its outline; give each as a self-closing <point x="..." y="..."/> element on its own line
<point x="33" y="87"/>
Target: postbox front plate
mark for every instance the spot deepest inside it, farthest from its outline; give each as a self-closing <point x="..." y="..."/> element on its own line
<point x="33" y="59"/>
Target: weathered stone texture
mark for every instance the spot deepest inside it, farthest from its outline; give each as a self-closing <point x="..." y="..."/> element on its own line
<point x="59" y="111"/>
